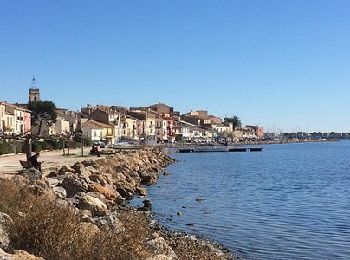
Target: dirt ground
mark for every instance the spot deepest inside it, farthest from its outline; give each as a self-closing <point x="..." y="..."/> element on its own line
<point x="10" y="164"/>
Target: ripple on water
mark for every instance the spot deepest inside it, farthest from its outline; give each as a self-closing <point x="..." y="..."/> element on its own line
<point x="288" y="202"/>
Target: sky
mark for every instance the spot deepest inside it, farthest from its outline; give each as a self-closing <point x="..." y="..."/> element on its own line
<point x="284" y="65"/>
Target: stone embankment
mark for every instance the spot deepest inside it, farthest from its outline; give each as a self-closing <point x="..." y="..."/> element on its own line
<point x="98" y="190"/>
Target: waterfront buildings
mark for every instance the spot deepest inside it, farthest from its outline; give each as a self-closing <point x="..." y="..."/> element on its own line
<point x="156" y="123"/>
<point x="14" y="119"/>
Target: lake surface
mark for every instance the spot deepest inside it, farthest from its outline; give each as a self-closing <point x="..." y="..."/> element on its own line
<point x="291" y="201"/>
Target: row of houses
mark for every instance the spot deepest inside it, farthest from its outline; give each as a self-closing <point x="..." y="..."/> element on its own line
<point x="14" y="119"/>
<point x="155" y="123"/>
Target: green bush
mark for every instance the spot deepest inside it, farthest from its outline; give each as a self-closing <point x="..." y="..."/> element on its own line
<point x="37" y="146"/>
<point x="19" y="146"/>
<point x="5" y="147"/>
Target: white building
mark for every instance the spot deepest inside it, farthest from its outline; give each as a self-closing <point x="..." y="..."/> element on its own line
<point x="98" y="131"/>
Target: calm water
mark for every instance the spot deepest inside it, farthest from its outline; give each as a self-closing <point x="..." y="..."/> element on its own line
<point x="287" y="202"/>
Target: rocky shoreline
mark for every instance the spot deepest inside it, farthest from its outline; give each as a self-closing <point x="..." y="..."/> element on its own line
<point x="95" y="193"/>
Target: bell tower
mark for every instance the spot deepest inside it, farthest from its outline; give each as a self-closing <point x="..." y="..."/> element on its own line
<point x="34" y="92"/>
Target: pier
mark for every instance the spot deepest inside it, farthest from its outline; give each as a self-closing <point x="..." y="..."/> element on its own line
<point x="212" y="149"/>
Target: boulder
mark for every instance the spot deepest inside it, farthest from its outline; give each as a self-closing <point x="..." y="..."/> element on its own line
<point x="118" y="177"/>
<point x="73" y="185"/>
<point x="41" y="188"/>
<point x="96" y="178"/>
<point x="89" y="163"/>
<point x="93" y="170"/>
<point x="5" y="221"/>
<point x="53" y="182"/>
<point x="81" y="170"/>
<point x="125" y="190"/>
<point x="161" y="257"/>
<point x="88" y="229"/>
<point x="160" y="247"/>
<point x="32" y="174"/>
<point x="147" y="205"/>
<point x="60" y="192"/>
<point x="148" y="178"/>
<point x="141" y="191"/>
<point x="109" y="194"/>
<point x="110" y="223"/>
<point x="85" y="216"/>
<point x="65" y="169"/>
<point x="92" y="204"/>
<point x="18" y="255"/>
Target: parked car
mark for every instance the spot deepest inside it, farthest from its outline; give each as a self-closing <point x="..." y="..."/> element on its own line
<point x="100" y="144"/>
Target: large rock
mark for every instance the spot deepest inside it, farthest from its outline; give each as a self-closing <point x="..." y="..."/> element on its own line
<point x="60" y="192"/>
<point x="119" y="177"/>
<point x="160" y="247"/>
<point x="125" y="190"/>
<point x="148" y="178"/>
<point x="73" y="184"/>
<point x="82" y="171"/>
<point x="32" y="174"/>
<point x="110" y="223"/>
<point x="92" y="204"/>
<point x="65" y="169"/>
<point x="5" y="221"/>
<point x="18" y="255"/>
<point x="141" y="191"/>
<point x="88" y="229"/>
<point x="41" y="187"/>
<point x="109" y="194"/>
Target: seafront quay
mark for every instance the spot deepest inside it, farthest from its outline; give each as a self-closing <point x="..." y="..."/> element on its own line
<point x="79" y="210"/>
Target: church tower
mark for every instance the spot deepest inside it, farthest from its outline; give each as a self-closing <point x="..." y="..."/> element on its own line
<point x="34" y="93"/>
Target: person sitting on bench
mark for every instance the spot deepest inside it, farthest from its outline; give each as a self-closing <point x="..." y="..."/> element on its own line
<point x="34" y="161"/>
<point x="95" y="151"/>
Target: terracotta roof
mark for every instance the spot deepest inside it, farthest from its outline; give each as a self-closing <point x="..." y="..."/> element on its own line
<point x="96" y="124"/>
<point x="15" y="107"/>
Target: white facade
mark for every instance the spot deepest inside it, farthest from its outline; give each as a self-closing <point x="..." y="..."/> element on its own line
<point x="98" y="131"/>
<point x="95" y="134"/>
<point x="2" y="117"/>
<point x="61" y="126"/>
<point x="19" y="126"/>
<point x="150" y="126"/>
<point x="10" y="123"/>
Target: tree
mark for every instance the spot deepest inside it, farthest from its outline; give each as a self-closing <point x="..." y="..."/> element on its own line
<point x="43" y="113"/>
<point x="234" y="120"/>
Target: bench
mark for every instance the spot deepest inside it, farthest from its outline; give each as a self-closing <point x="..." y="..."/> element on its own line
<point x="25" y="164"/>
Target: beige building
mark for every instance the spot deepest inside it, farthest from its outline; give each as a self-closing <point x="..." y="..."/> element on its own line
<point x="98" y="131"/>
<point x="2" y="117"/>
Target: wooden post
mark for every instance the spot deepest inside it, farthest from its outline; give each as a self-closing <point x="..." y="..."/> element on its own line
<point x="63" y="146"/>
<point x="82" y="143"/>
<point x="28" y="146"/>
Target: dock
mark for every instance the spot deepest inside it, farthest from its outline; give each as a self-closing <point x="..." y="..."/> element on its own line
<point x="212" y="149"/>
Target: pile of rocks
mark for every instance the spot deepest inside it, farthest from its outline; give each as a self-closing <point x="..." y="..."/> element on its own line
<point x="97" y="189"/>
<point x="99" y="185"/>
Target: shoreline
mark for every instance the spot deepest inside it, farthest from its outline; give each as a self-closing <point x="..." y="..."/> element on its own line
<point x="98" y="190"/>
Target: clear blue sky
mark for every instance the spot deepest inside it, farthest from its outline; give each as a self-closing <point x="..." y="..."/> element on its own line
<point x="283" y="64"/>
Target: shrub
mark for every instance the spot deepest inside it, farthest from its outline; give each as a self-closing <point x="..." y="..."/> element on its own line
<point x="5" y="147"/>
<point x="45" y="228"/>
